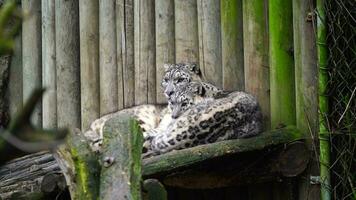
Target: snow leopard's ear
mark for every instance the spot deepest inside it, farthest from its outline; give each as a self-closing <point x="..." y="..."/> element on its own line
<point x="193" y="67"/>
<point x="167" y="66"/>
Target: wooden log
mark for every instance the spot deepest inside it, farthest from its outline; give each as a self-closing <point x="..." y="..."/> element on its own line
<point x="108" y="65"/>
<point x="121" y="157"/>
<point x="232" y="48"/>
<point x="145" y="66"/>
<point x="271" y="164"/>
<point x="86" y="167"/>
<point x="175" y="160"/>
<point x="165" y="47"/>
<point x="89" y="62"/>
<point x="67" y="63"/>
<point x="15" y="78"/>
<point x="125" y="47"/>
<point x="49" y="111"/>
<point x="210" y="40"/>
<point x="255" y="39"/>
<point x="306" y="82"/>
<point x="23" y="177"/>
<point x="186" y="31"/>
<point x="31" y="54"/>
<point x="281" y="63"/>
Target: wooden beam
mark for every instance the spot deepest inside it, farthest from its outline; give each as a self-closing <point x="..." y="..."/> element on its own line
<point x="89" y="61"/>
<point x="175" y="160"/>
<point x="67" y="63"/>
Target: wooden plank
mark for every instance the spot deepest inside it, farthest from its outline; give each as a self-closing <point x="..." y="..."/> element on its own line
<point x="232" y="48"/>
<point x="255" y="38"/>
<point x="186" y="31"/>
<point x="89" y="61"/>
<point x="67" y="63"/>
<point x="145" y="61"/>
<point x="120" y="32"/>
<point x="15" y="78"/>
<point x="49" y="111"/>
<point x="186" y="157"/>
<point x="281" y="62"/>
<point x="125" y="47"/>
<point x="31" y="54"/>
<point x="306" y="82"/>
<point x="210" y="40"/>
<point x="165" y="47"/>
<point x="121" y="171"/>
<point x="107" y="57"/>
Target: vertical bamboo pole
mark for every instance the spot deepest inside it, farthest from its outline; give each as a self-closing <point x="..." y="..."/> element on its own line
<point x="108" y="63"/>
<point x="49" y="111"/>
<point x="323" y="102"/>
<point x="281" y="62"/>
<point x="145" y="58"/>
<point x="67" y="63"/>
<point x="255" y="26"/>
<point x="31" y="54"/>
<point x="210" y="40"/>
<point x="232" y="48"/>
<point x="89" y="61"/>
<point x="15" y="78"/>
<point x="125" y="47"/>
<point x="306" y="88"/>
<point x="186" y="31"/>
<point x="164" y="41"/>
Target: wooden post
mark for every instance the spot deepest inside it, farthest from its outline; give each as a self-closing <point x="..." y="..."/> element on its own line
<point x="108" y="65"/>
<point x="67" y="63"/>
<point x="125" y="47"/>
<point x="210" y="40"/>
<point x="49" y="114"/>
<point x="281" y="62"/>
<point x="121" y="157"/>
<point x="89" y="61"/>
<point x="165" y="46"/>
<point x="186" y="31"/>
<point x="31" y="54"/>
<point x="232" y="48"/>
<point x="145" y="67"/>
<point x="15" y="78"/>
<point x="255" y="20"/>
<point x="306" y="81"/>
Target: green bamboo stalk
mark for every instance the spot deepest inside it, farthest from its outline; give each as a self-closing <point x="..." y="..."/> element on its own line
<point x="323" y="102"/>
<point x="281" y="63"/>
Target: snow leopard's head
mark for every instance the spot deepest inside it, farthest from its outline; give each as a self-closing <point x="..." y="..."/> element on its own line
<point x="177" y="76"/>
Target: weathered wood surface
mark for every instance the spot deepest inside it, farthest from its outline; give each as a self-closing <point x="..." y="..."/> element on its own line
<point x="121" y="158"/>
<point x="209" y="31"/>
<point x="154" y="190"/>
<point x="108" y="61"/>
<point x="31" y="54"/>
<point x="67" y="63"/>
<point x="23" y="177"/>
<point x="125" y="47"/>
<point x="306" y="81"/>
<point x="165" y="45"/>
<point x="232" y="48"/>
<point x="145" y="53"/>
<point x="255" y="39"/>
<point x="175" y="160"/>
<point x="49" y="111"/>
<point x="89" y="61"/>
<point x="186" y="31"/>
<point x="15" y="78"/>
<point x="271" y="164"/>
<point x="282" y="82"/>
